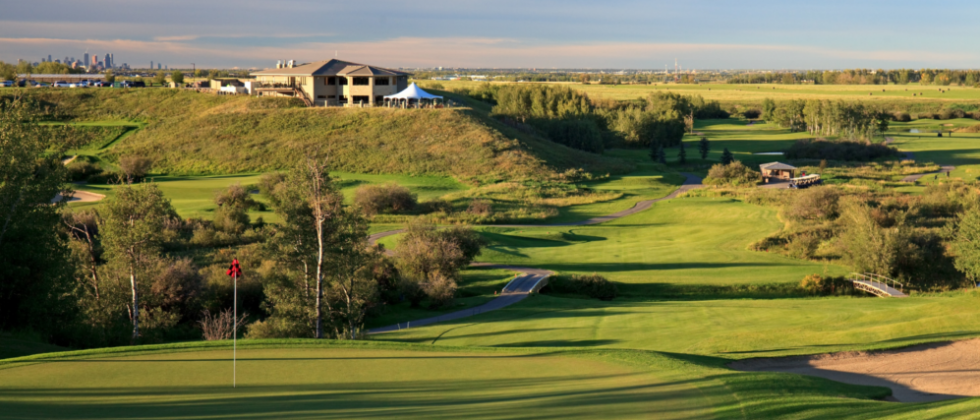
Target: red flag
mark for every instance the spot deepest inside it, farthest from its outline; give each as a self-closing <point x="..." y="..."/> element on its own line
<point x="235" y="269"/>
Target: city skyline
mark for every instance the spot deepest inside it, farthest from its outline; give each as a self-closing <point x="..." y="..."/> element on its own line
<point x="545" y="34"/>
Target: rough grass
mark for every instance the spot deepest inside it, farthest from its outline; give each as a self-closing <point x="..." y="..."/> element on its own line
<point x="196" y="133"/>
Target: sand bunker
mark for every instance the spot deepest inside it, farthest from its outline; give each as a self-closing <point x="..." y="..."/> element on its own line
<point x="79" y="197"/>
<point x="928" y="372"/>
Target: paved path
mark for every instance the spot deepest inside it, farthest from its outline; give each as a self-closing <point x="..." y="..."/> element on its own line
<point x="529" y="279"/>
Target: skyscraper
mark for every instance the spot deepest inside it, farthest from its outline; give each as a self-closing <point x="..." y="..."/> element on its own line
<point x="108" y="61"/>
<point x="49" y="57"/>
<point x="112" y="59"/>
<point x="95" y="60"/>
<point x="85" y="61"/>
<point x="151" y="64"/>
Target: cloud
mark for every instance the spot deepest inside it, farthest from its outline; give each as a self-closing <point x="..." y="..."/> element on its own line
<point x="482" y="52"/>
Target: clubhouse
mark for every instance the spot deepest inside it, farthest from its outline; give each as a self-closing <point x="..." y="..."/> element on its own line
<point x="331" y="83"/>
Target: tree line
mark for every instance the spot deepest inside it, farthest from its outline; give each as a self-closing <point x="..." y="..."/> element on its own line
<point x="850" y="121"/>
<point x="939" y="77"/>
<point x="568" y="116"/>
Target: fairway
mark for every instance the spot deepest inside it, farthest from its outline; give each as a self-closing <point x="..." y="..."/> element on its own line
<point x="681" y="241"/>
<point x="342" y="383"/>
<point x="734" y="329"/>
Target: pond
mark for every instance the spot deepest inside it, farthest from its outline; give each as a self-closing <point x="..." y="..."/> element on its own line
<point x="769" y="153"/>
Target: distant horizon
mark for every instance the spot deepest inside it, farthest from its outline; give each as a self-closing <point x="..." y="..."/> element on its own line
<point x="547" y="34"/>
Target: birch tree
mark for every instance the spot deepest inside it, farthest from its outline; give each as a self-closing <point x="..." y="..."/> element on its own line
<point x="132" y="231"/>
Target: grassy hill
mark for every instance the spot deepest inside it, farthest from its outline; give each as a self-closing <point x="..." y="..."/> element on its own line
<point x="196" y="133"/>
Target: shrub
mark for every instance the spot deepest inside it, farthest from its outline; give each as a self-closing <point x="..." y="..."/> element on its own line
<point x="441" y="289"/>
<point x="80" y="170"/>
<point x="480" y="207"/>
<point x="814" y="284"/>
<point x="752" y="114"/>
<point x="232" y="213"/>
<point x="221" y="327"/>
<point x="819" y="203"/>
<point x="803" y="246"/>
<point x="278" y="327"/>
<point x="391" y="197"/>
<point x="839" y="150"/>
<point x="901" y="116"/>
<point x="135" y="167"/>
<point x="970" y="129"/>
<point x="734" y="174"/>
<point x="592" y="285"/>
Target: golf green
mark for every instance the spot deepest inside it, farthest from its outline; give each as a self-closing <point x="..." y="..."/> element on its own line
<point x="341" y="383"/>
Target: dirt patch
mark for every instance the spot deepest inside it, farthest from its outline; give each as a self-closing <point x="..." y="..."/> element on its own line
<point x="923" y="373"/>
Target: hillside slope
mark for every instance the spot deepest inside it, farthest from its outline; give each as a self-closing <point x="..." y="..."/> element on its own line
<point x="197" y="133"/>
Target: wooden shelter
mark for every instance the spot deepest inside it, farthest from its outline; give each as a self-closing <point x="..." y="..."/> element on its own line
<point x="777" y="171"/>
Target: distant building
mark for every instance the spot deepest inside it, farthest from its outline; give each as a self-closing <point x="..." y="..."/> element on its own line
<point x="331" y="82"/>
<point x="85" y="61"/>
<point x="777" y="170"/>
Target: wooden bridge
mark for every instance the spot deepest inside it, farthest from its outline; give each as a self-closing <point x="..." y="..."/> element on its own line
<point x="877" y="285"/>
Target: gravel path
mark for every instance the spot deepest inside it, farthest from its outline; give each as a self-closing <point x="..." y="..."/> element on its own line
<point x="529" y="279"/>
<point x="923" y="373"/>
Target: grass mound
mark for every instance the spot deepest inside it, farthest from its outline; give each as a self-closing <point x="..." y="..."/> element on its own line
<point x="197" y="133"/>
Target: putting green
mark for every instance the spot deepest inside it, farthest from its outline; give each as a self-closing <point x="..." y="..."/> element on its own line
<point x="342" y="383"/>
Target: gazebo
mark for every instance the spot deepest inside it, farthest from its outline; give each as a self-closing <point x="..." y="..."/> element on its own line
<point x="411" y="93"/>
<point x="777" y="170"/>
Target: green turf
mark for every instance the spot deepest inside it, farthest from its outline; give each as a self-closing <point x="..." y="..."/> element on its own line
<point x="12" y="345"/>
<point x="193" y="196"/>
<point x="681" y="241"/>
<point x="365" y="382"/>
<point x="725" y="328"/>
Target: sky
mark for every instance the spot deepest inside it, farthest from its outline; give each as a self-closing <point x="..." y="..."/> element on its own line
<point x="700" y="34"/>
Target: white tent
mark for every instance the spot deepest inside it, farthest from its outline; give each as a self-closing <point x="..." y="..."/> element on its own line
<point x="412" y="93"/>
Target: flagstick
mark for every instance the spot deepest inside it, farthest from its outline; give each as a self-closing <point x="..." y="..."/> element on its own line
<point x="234" y="335"/>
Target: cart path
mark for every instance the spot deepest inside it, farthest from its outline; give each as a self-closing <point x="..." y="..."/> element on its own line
<point x="912" y="178"/>
<point x="528" y="280"/>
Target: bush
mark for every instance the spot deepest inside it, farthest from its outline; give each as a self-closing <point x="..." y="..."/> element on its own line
<point x="480" y="207"/>
<point x="81" y="170"/>
<point x="803" y="246"/>
<point x="839" y="150"/>
<point x="441" y="290"/>
<point x="593" y="286"/>
<point x="970" y="129"/>
<point x="391" y="197"/>
<point x="752" y="114"/>
<point x="734" y="174"/>
<point x="901" y="116"/>
<point x="135" y="167"/>
<point x="819" y="203"/>
<point x="278" y="327"/>
<point x="232" y="213"/>
<point x="816" y="285"/>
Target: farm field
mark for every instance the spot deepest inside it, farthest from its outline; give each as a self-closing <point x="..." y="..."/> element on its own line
<point x="754" y="94"/>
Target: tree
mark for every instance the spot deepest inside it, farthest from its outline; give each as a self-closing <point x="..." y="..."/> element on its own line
<point x="110" y="77"/>
<point x="726" y="157"/>
<point x="430" y="259"/>
<point x="704" y="147"/>
<point x="133" y="231"/>
<point x="966" y="245"/>
<point x="160" y="78"/>
<point x="233" y="206"/>
<point x="177" y="77"/>
<point x="768" y="109"/>
<point x="35" y="278"/>
<point x="681" y="154"/>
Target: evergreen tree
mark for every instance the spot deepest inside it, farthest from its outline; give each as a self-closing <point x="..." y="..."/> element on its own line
<point x="726" y="157"/>
<point x="704" y="147"/>
<point x="682" y="154"/>
<point x="661" y="155"/>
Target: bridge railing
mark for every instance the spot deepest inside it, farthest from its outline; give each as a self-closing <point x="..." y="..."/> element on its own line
<point x="878" y="281"/>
